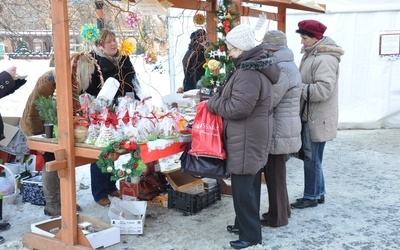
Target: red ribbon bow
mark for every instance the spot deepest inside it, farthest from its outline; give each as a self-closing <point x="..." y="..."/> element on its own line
<point x="111" y="119"/>
<point x="126" y="118"/>
<point x="226" y="24"/>
<point x="95" y="118"/>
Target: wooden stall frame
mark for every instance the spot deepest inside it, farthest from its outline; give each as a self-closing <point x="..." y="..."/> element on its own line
<point x="67" y="155"/>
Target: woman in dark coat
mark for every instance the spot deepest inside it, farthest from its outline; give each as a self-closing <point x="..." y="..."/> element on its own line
<point x="112" y="64"/>
<point x="245" y="105"/>
<point x="7" y="86"/>
<point x="193" y="60"/>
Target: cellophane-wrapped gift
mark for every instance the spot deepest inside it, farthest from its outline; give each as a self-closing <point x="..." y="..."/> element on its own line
<point x="94" y="109"/>
<point x="167" y="127"/>
<point x="126" y="118"/>
<point x="109" y="129"/>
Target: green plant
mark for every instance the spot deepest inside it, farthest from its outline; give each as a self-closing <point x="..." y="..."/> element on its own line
<point x="47" y="108"/>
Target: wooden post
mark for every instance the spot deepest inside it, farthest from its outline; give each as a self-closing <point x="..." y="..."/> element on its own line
<point x="212" y="23"/>
<point x="69" y="231"/>
<point x="65" y="121"/>
<point x="282" y="19"/>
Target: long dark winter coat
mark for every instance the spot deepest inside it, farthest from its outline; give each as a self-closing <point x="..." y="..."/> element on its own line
<point x="119" y="67"/>
<point x="246" y="105"/>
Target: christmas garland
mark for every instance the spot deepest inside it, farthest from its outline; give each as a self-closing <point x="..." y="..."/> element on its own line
<point x="227" y="19"/>
<point x="133" y="167"/>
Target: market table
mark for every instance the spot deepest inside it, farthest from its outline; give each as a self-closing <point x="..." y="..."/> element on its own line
<point x="86" y="153"/>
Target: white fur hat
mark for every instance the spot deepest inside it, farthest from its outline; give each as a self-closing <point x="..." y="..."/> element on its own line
<point x="242" y="37"/>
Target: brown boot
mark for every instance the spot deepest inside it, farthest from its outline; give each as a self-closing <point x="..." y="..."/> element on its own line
<point x="105" y="202"/>
<point x="51" y="190"/>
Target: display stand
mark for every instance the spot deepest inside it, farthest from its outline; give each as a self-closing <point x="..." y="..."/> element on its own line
<point x="67" y="154"/>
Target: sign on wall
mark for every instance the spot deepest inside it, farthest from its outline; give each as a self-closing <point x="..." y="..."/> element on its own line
<point x="389" y="45"/>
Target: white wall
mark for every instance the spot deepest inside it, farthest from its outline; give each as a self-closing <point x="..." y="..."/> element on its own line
<point x="369" y="87"/>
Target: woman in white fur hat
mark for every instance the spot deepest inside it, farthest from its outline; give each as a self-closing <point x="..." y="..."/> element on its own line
<point x="245" y="105"/>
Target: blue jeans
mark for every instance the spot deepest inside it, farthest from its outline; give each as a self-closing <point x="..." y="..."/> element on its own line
<point x="314" y="184"/>
<point x="101" y="183"/>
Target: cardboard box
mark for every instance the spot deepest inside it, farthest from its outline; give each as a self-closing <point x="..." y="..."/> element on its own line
<point x="104" y="238"/>
<point x="128" y="191"/>
<point x="134" y="226"/>
<point x="185" y="183"/>
<point x="159" y="200"/>
<point x="15" y="141"/>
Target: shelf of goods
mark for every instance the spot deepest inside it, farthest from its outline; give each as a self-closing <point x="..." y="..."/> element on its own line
<point x="85" y="153"/>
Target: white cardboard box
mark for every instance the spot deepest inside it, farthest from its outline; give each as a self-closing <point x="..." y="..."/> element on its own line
<point x="104" y="238"/>
<point x="132" y="226"/>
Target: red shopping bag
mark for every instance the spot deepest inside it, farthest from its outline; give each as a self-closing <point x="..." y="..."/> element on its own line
<point x="207" y="133"/>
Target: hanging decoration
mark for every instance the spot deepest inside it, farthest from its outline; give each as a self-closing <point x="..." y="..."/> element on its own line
<point x="227" y="19"/>
<point x="198" y="19"/>
<point x="132" y="20"/>
<point x="126" y="48"/>
<point x="133" y="167"/>
<point x="90" y="32"/>
<point x="150" y="57"/>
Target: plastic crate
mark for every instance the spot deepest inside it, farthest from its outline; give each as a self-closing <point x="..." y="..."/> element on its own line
<point x="193" y="203"/>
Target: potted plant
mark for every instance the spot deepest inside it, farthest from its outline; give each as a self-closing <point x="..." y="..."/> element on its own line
<point x="47" y="108"/>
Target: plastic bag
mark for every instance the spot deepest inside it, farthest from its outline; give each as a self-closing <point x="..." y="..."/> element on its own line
<point x="207" y="133"/>
<point x="123" y="210"/>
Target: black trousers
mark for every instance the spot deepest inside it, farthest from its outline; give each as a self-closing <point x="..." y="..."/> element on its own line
<point x="246" y="191"/>
<point x="275" y="177"/>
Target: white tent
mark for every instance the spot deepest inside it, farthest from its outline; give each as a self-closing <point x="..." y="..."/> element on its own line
<point x="369" y="86"/>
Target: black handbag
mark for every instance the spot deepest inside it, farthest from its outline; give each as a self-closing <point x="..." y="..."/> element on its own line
<point x="203" y="166"/>
<point x="305" y="152"/>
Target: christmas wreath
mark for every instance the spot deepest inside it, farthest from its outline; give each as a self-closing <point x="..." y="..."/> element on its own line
<point x="133" y="167"/>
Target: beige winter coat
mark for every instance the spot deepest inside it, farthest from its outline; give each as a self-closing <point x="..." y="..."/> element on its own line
<point x="319" y="69"/>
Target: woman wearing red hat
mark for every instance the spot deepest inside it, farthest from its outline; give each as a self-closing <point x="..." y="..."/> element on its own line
<point x="319" y="70"/>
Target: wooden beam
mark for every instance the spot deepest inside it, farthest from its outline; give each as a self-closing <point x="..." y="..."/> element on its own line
<point x="69" y="229"/>
<point x="60" y="27"/>
<point x="246" y="11"/>
<point x="193" y="4"/>
<point x="36" y="241"/>
<point x="282" y="21"/>
<point x="212" y="23"/>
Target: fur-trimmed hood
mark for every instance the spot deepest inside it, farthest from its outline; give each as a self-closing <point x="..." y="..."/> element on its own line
<point x="325" y="46"/>
<point x="256" y="59"/>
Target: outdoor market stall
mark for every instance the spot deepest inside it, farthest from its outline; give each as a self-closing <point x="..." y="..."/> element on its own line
<point x="68" y="153"/>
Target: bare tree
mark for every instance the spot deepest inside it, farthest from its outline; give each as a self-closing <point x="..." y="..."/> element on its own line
<point x="19" y="16"/>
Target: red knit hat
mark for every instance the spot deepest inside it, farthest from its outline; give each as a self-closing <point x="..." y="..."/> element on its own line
<point x="312" y="26"/>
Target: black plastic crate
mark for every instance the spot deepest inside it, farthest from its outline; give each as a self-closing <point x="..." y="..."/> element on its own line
<point x="193" y="203"/>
